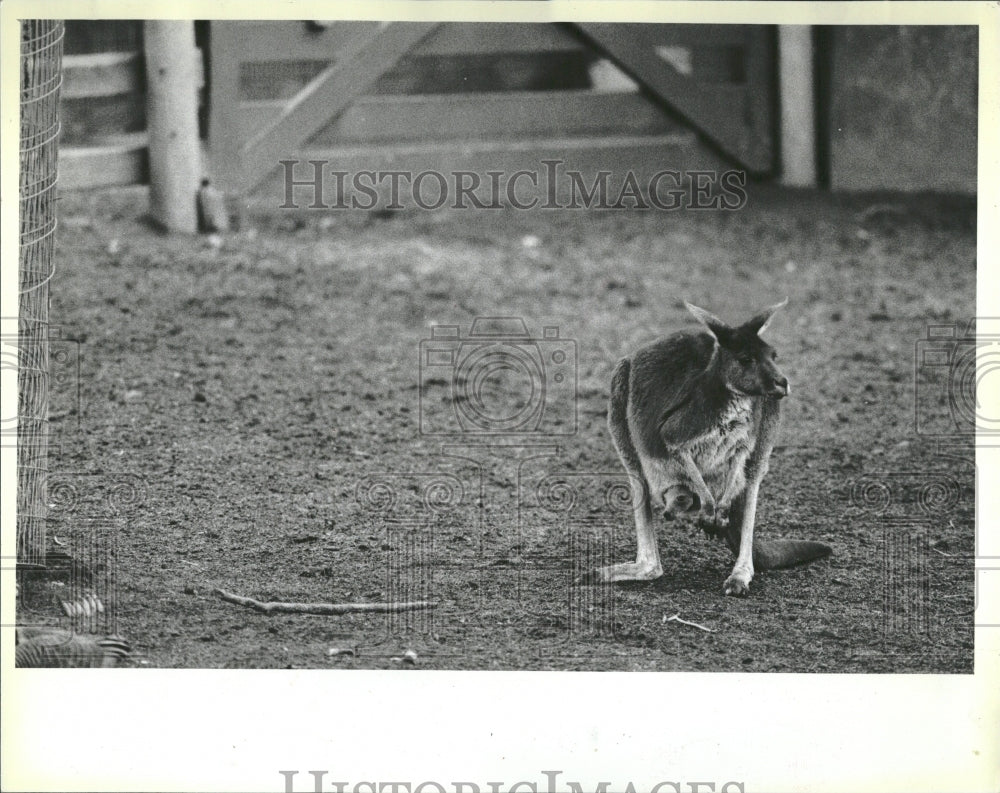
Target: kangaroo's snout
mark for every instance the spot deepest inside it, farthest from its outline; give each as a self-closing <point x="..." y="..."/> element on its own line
<point x="781" y="387"/>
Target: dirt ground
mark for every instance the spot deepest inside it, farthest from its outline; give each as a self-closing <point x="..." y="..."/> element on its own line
<point x="249" y="418"/>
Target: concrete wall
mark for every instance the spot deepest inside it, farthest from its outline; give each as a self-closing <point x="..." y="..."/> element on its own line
<point x="903" y="113"/>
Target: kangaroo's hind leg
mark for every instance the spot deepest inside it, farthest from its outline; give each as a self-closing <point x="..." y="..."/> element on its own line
<point x="647" y="561"/>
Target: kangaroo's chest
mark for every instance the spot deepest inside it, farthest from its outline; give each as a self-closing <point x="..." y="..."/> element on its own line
<point x="721" y="452"/>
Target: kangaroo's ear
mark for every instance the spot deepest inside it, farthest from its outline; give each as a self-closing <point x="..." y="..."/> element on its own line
<point x="715" y="326"/>
<point x="760" y="322"/>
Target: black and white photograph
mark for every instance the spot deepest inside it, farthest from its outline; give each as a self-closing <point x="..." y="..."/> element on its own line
<point x="564" y="338"/>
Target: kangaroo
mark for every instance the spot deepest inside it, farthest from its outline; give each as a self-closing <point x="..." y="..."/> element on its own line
<point x="694" y="418"/>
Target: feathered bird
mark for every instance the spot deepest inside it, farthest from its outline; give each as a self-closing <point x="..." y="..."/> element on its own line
<point x="48" y="647"/>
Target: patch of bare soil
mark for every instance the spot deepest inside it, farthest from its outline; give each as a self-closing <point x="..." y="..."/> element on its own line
<point x="249" y="418"/>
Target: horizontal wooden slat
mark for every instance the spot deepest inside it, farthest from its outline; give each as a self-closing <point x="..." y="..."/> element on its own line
<point x="721" y="64"/>
<point x="261" y="81"/>
<point x="268" y="41"/>
<point x="500" y="148"/>
<point x="277" y="41"/>
<point x="375" y="119"/>
<point x="102" y="74"/>
<point x="460" y="74"/>
<point x="281" y="41"/>
<point x="695" y="35"/>
<point x="109" y="74"/>
<point x="122" y="163"/>
<point x="497" y="116"/>
<point x="483" y="38"/>
<point x="84" y="36"/>
<point x="86" y="121"/>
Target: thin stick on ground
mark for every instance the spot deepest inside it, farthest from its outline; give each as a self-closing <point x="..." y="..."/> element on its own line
<point x="277" y="607"/>
<point x="677" y="618"/>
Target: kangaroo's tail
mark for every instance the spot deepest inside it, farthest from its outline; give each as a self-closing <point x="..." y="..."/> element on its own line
<point x="775" y="554"/>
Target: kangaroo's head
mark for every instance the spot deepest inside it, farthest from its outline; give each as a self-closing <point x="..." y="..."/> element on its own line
<point x="742" y="358"/>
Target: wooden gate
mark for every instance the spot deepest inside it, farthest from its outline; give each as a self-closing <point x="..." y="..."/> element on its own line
<point x="470" y="95"/>
<point x="718" y="77"/>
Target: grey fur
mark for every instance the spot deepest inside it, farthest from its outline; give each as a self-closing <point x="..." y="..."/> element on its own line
<point x="700" y="412"/>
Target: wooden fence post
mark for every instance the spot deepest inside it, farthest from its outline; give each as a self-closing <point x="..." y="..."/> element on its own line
<point x="172" y="123"/>
<point x="798" y="117"/>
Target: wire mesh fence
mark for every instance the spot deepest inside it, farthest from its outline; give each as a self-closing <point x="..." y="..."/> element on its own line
<point x="41" y="78"/>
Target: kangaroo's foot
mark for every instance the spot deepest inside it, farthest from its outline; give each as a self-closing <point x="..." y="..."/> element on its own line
<point x="738" y="583"/>
<point x="623" y="571"/>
